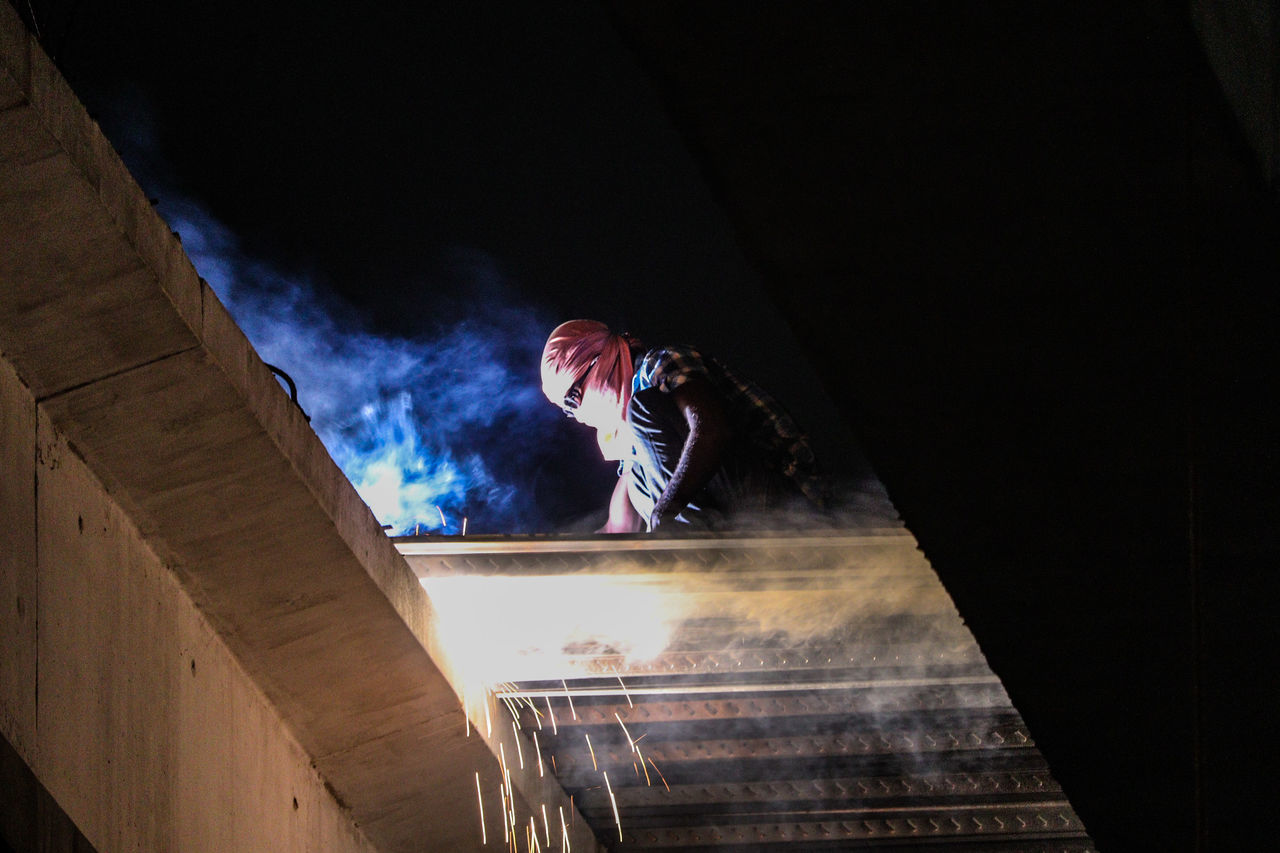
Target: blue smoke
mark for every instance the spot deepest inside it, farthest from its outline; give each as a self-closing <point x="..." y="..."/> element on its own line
<point x="430" y="430"/>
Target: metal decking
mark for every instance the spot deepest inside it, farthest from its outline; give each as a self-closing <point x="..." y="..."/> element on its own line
<point x="811" y="691"/>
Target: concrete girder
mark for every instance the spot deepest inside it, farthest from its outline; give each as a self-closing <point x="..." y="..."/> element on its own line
<point x="133" y="358"/>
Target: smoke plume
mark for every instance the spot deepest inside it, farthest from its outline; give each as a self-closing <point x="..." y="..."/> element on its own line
<point x="430" y="430"/>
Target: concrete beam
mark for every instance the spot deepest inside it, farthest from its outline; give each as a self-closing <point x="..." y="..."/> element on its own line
<point x="132" y="357"/>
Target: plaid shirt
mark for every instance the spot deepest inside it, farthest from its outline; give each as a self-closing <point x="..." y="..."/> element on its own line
<point x="751" y="411"/>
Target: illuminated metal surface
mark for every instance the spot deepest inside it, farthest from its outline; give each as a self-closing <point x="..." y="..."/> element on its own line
<point x="810" y="692"/>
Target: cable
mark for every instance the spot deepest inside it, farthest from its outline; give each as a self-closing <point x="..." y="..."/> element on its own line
<point x="293" y="388"/>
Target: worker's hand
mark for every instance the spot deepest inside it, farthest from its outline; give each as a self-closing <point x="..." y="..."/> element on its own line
<point x="660" y="518"/>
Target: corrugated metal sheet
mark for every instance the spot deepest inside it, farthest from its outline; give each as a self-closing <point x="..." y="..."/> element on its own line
<point x="810" y="691"/>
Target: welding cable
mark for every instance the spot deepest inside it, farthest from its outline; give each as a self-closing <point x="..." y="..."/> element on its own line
<point x="293" y="388"/>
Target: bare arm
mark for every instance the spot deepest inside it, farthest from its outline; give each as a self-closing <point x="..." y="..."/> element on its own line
<point x="623" y="517"/>
<point x="702" y="452"/>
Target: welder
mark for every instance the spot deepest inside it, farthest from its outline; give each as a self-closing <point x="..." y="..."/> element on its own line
<point x="699" y="446"/>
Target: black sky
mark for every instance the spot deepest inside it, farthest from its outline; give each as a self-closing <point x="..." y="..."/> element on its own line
<point x="363" y="146"/>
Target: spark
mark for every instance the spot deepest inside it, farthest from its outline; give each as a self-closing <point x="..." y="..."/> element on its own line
<point x="443" y="523"/>
<point x="570" y="698"/>
<point x="484" y="838"/>
<point x="564" y="833"/>
<point x="660" y="776"/>
<point x="554" y="729"/>
<point x="511" y="806"/>
<point x="625" y="693"/>
<point x="546" y="827"/>
<point x="624" y="731"/>
<point x="538" y="749"/>
<point x="506" y="777"/>
<point x="502" y="793"/>
<point x="593" y="752"/>
<point x="464" y="525"/>
<point x="644" y="767"/>
<point x="488" y="720"/>
<point x="614" y="801"/>
<point x="466" y="712"/>
<point x="511" y="706"/>
<point x="533" y="835"/>
<point x="519" y="752"/>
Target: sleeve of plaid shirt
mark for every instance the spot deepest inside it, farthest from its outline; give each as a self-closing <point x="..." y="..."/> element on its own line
<point x="667" y="368"/>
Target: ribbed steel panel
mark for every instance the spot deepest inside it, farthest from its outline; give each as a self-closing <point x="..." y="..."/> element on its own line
<point x="815" y="692"/>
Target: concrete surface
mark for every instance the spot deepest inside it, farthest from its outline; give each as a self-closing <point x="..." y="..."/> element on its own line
<point x="223" y="625"/>
<point x="146" y="729"/>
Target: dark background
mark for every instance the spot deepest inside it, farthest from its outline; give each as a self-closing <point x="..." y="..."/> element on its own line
<point x="1024" y="245"/>
<point x="383" y="153"/>
<point x="1036" y="262"/>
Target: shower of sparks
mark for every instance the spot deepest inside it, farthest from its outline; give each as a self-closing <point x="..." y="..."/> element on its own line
<point x="660" y="776"/>
<point x="484" y="837"/>
<point x="614" y="801"/>
<point x="496" y="667"/>
<point x="570" y="698"/>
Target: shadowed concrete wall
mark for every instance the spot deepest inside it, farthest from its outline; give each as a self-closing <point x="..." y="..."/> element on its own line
<point x="1242" y="40"/>
<point x="116" y="692"/>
